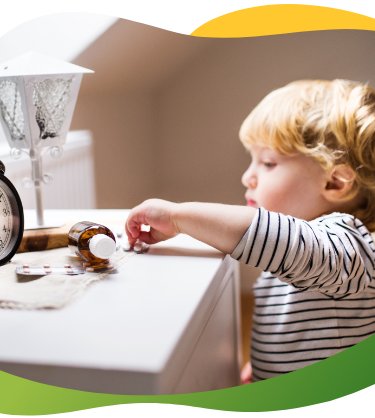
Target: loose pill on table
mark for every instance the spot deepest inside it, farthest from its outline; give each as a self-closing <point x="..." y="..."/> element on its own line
<point x="26" y="266"/>
<point x="89" y="269"/>
<point x="110" y="266"/>
<point x="67" y="266"/>
<point x="69" y="271"/>
<point x="26" y="270"/>
<point x="48" y="271"/>
<point x="46" y="266"/>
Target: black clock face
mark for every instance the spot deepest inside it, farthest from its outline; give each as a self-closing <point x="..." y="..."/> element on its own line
<point x="11" y="220"/>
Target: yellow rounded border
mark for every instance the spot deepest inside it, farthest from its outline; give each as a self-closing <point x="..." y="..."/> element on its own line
<point x="282" y="18"/>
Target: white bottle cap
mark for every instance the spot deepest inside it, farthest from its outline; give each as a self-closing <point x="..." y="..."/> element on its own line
<point x="102" y="246"/>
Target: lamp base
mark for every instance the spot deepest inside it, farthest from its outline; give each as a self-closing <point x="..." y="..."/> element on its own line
<point x="41" y="239"/>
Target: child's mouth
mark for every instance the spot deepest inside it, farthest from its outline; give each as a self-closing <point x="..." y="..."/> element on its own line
<point x="251" y="202"/>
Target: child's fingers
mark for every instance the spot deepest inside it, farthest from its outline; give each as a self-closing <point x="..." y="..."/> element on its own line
<point x="134" y="222"/>
<point x="135" y="234"/>
<point x="146" y="237"/>
<point x="132" y="231"/>
<point x="132" y="240"/>
<point x="152" y="237"/>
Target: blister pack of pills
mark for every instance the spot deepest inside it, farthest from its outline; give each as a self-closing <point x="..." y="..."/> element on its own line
<point x="26" y="269"/>
<point x="139" y="247"/>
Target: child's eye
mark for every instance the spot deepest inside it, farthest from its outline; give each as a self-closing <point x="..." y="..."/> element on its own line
<point x="269" y="165"/>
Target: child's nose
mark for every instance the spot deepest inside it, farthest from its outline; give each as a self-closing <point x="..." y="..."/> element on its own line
<point x="249" y="179"/>
<point x="253" y="182"/>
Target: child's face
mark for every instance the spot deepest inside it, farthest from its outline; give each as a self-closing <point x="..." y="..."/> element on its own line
<point x="292" y="185"/>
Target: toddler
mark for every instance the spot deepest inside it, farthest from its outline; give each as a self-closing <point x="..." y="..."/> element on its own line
<point x="310" y="206"/>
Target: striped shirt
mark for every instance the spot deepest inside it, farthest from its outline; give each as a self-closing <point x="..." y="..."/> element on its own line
<point x="316" y="296"/>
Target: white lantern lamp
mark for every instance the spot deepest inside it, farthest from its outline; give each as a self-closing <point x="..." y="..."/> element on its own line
<point x="37" y="99"/>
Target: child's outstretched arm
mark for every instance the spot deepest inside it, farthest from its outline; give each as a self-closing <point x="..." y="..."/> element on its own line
<point x="221" y="226"/>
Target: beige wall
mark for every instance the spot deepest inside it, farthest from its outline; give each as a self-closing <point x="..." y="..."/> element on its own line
<point x="173" y="132"/>
<point x="124" y="146"/>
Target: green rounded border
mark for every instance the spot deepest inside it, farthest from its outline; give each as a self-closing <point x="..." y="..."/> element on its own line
<point x="337" y="376"/>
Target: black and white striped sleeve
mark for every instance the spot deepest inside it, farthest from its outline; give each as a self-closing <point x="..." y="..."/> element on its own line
<point x="333" y="254"/>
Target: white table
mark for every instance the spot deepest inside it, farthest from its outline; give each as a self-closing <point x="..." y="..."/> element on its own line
<point x="167" y="322"/>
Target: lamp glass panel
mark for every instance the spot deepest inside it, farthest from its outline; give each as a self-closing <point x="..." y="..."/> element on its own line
<point x="51" y="98"/>
<point x="10" y="105"/>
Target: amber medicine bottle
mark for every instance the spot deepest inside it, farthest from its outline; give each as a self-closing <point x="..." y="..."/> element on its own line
<point x="92" y="242"/>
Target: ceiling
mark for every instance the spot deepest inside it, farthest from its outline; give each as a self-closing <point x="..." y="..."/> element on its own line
<point x="132" y="56"/>
<point x="59" y="35"/>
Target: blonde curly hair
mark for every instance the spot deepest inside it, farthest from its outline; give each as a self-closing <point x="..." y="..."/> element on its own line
<point x="331" y="121"/>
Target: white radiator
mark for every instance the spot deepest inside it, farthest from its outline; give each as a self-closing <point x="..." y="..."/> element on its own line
<point x="73" y="185"/>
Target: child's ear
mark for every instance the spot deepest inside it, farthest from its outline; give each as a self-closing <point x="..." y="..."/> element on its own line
<point x="339" y="182"/>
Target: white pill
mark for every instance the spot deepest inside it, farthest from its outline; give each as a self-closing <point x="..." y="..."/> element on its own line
<point x="67" y="266"/>
<point x="138" y="247"/>
<point x="126" y="246"/>
<point x="26" y="270"/>
<point x="48" y="271"/>
<point x="90" y="269"/>
<point x="46" y="266"/>
<point x="69" y="271"/>
<point x="110" y="266"/>
<point x="26" y="266"/>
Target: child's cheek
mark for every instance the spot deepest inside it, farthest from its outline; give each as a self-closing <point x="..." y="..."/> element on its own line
<point x="273" y="198"/>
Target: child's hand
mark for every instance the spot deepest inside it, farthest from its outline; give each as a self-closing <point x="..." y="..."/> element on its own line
<point x="246" y="374"/>
<point x="156" y="213"/>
